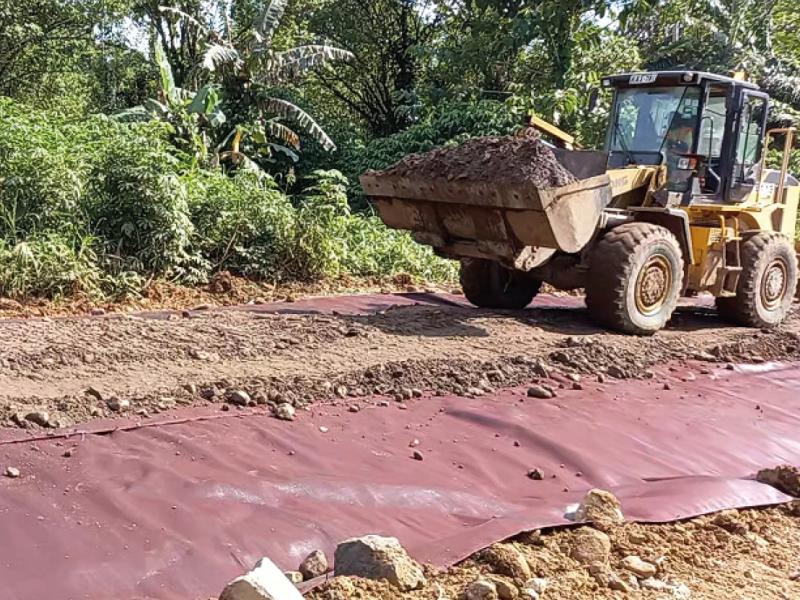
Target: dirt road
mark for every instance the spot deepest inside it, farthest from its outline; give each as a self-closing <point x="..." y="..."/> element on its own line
<point x="76" y="369"/>
<point x="170" y="509"/>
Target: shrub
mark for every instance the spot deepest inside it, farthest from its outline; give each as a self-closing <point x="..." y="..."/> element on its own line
<point x="241" y="223"/>
<point x="138" y="206"/>
<point x="49" y="265"/>
<point x="331" y="241"/>
<point x="40" y="178"/>
<point x="94" y="206"/>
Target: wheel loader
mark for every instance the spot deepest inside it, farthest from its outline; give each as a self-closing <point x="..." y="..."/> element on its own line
<point x="680" y="201"/>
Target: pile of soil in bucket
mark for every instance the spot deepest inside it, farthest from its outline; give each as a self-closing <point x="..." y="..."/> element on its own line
<point x="514" y="160"/>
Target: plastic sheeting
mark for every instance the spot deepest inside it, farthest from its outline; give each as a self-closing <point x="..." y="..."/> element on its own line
<point x="174" y="510"/>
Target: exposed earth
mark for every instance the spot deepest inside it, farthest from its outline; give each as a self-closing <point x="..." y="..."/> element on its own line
<point x="62" y="371"/>
<point x="750" y="554"/>
<point x="514" y="160"/>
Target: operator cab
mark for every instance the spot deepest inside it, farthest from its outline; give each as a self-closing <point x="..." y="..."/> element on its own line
<point x="707" y="129"/>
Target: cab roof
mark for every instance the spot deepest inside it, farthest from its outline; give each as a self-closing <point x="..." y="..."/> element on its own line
<point x="672" y="78"/>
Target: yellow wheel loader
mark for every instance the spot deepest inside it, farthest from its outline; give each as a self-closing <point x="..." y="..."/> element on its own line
<point x="680" y="201"/>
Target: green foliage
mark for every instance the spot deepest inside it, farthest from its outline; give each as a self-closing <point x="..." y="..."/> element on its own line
<point x="242" y="224"/>
<point x="40" y="181"/>
<point x="49" y="265"/>
<point x="235" y="82"/>
<point x="331" y="241"/>
<point x="97" y="206"/>
<point x="138" y="206"/>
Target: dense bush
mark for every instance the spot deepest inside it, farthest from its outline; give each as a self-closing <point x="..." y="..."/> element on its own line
<point x="242" y="224"/>
<point x="95" y="206"/>
<point x="138" y="207"/>
<point x="49" y="265"/>
<point x="331" y="241"/>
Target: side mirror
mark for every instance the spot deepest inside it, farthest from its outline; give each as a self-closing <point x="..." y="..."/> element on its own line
<point x="592" y="103"/>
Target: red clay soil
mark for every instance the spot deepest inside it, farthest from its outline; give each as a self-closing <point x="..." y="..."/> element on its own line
<point x="508" y="159"/>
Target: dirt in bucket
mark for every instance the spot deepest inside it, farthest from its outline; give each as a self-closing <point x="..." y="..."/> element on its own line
<point x="515" y="160"/>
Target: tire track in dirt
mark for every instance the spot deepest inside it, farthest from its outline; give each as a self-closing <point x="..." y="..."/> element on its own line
<point x="47" y="365"/>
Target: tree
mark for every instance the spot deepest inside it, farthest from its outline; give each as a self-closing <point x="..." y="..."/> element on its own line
<point x="723" y="36"/>
<point x="178" y="30"/>
<point x="44" y="43"/>
<point x="238" y="75"/>
<point x="387" y="39"/>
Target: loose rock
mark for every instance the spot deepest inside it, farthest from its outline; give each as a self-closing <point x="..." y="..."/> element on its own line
<point x="118" y="405"/>
<point x="39" y="417"/>
<point x="538" y="391"/>
<point x="294" y="576"/>
<point x="481" y="589"/>
<point x="600" y="506"/>
<point x="264" y="582"/>
<point x="285" y="412"/>
<point x="506" y="590"/>
<point x="376" y="557"/>
<point x="785" y="478"/>
<point x="12" y="472"/>
<point x="590" y="546"/>
<point x="536" y="474"/>
<point x="639" y="567"/>
<point x="314" y="565"/>
<point x="537" y="584"/>
<point x="505" y="559"/>
<point x="239" y="398"/>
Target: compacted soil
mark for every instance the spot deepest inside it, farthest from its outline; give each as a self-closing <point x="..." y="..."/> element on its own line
<point x="77" y="369"/>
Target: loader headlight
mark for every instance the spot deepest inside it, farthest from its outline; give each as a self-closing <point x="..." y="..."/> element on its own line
<point x="685" y="163"/>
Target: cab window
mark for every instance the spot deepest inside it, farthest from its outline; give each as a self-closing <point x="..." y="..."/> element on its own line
<point x="749" y="144"/>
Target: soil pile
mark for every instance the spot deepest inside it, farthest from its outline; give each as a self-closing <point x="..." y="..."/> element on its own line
<point x="515" y="160"/>
<point x="734" y="554"/>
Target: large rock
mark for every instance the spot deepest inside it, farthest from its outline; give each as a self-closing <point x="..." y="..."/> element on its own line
<point x="590" y="546"/>
<point x="600" y="506"/>
<point x="376" y="557"/>
<point x="264" y="582"/>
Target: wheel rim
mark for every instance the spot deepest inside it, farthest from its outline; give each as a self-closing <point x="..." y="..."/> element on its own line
<point x="653" y="285"/>
<point x="774" y="284"/>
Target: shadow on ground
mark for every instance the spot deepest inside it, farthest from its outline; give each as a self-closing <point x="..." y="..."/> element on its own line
<point x="449" y="319"/>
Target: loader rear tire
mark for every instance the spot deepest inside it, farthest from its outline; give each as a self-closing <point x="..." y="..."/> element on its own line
<point x="487" y="284"/>
<point x="635" y="278"/>
<point x="766" y="285"/>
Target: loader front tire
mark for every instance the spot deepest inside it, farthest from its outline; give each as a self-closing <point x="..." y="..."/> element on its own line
<point x="767" y="283"/>
<point x="635" y="278"/>
<point x="487" y="284"/>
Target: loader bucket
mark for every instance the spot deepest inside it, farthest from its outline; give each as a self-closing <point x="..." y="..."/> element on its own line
<point x="517" y="225"/>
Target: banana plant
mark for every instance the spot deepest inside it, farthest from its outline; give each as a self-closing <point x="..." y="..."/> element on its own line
<point x="190" y="113"/>
<point x="250" y="71"/>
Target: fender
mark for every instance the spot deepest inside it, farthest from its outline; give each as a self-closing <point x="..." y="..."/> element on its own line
<point x="672" y="219"/>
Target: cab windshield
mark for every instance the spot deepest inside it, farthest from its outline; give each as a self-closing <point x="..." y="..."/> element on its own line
<point x="651" y="123"/>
